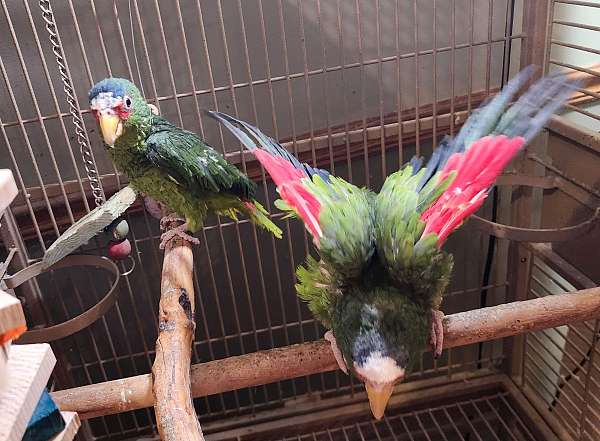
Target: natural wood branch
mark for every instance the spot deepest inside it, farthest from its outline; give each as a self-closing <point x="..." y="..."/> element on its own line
<point x="175" y="415"/>
<point x="310" y="358"/>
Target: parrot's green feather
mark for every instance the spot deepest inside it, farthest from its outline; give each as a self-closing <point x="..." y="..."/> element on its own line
<point x="177" y="168"/>
<point x="260" y="216"/>
<point x="347" y="222"/>
<point x="317" y="285"/>
<point x="356" y="224"/>
<point x="376" y="308"/>
<point x="413" y="262"/>
<point x="346" y="245"/>
<point x="192" y="163"/>
<point x="381" y="274"/>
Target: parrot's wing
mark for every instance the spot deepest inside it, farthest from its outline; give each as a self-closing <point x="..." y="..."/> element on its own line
<point x="485" y="145"/>
<point x="338" y="214"/>
<point x="252" y="139"/>
<point x="192" y="163"/>
<point x="89" y="226"/>
<point x="419" y="207"/>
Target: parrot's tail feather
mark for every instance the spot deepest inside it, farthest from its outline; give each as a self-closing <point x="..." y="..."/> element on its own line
<point x="260" y="216"/>
<point x="476" y="170"/>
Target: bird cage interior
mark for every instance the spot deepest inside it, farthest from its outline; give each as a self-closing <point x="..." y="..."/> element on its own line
<point x="356" y="88"/>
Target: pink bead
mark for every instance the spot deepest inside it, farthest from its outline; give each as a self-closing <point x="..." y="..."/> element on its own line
<point x="119" y="250"/>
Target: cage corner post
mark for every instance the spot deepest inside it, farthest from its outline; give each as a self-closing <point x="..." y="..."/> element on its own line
<point x="171" y="386"/>
<point x="526" y="209"/>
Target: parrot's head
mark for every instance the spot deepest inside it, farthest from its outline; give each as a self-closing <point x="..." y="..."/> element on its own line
<point x="380" y="336"/>
<point x="117" y="105"/>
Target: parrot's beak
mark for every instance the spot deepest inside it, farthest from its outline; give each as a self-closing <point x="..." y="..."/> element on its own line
<point x="111" y="127"/>
<point x="379" y="395"/>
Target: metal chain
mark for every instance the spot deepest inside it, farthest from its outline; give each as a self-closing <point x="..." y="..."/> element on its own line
<point x="84" y="147"/>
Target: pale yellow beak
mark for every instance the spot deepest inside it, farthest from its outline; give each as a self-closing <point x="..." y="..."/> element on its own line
<point x="111" y="127"/>
<point x="379" y="395"/>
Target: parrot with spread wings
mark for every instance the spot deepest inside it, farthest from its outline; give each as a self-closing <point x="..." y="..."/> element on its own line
<point x="174" y="167"/>
<point x="381" y="274"/>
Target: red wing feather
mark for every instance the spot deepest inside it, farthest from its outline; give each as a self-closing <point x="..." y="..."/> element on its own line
<point x="291" y="188"/>
<point x="476" y="170"/>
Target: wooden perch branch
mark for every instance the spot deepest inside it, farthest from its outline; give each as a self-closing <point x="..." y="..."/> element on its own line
<point x="175" y="415"/>
<point x="310" y="358"/>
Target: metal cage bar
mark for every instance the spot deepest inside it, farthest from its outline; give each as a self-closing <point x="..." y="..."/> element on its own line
<point x="356" y="87"/>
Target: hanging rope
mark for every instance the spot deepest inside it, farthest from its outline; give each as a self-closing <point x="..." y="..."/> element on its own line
<point x="84" y="146"/>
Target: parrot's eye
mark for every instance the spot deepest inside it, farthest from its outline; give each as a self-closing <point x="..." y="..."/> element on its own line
<point x="127" y="102"/>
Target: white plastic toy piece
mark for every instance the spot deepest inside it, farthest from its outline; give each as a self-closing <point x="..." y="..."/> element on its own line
<point x="8" y="189"/>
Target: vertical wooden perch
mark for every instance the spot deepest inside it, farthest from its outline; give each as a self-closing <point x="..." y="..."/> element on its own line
<point x="175" y="415"/>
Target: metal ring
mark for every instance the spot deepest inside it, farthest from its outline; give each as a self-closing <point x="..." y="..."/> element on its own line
<point x="130" y="270"/>
<point x="534" y="235"/>
<point x="83" y="320"/>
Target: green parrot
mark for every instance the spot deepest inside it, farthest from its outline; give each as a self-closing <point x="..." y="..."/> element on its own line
<point x="173" y="166"/>
<point x="378" y="284"/>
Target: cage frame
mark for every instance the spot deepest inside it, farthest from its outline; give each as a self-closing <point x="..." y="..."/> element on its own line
<point x="537" y="17"/>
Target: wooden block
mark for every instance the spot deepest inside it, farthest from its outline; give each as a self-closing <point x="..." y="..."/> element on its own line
<point x="72" y="424"/>
<point x="8" y="189"/>
<point x="12" y="325"/>
<point x="29" y="367"/>
<point x="12" y="319"/>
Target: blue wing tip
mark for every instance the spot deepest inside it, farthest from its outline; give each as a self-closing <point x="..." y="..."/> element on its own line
<point x="416" y="162"/>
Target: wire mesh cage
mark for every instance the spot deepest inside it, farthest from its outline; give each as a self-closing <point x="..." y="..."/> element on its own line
<point x="354" y="87"/>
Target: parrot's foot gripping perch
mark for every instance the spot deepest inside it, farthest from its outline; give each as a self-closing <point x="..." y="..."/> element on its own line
<point x="336" y="352"/>
<point x="437" y="332"/>
<point x="180" y="231"/>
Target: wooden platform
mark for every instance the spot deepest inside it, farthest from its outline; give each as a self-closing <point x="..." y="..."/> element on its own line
<point x="29" y="368"/>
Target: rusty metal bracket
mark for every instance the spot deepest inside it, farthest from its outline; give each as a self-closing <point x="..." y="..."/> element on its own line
<point x="4" y="265"/>
<point x="535" y="235"/>
<point x="83" y="320"/>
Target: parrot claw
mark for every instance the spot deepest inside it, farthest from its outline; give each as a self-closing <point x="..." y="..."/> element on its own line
<point x="336" y="352"/>
<point x="180" y="231"/>
<point x="437" y="332"/>
<point x="166" y="220"/>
